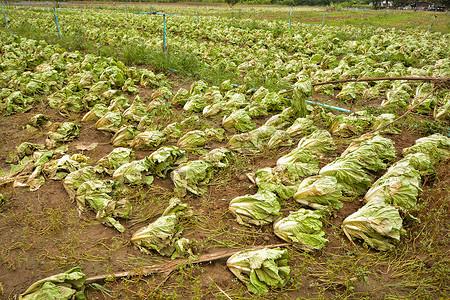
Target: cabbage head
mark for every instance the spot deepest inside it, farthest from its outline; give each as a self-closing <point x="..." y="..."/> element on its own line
<point x="304" y="228"/>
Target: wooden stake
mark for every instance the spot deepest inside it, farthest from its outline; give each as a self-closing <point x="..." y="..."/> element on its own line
<point x="168" y="267"/>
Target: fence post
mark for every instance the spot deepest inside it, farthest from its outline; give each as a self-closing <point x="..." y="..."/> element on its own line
<point x="431" y="23"/>
<point x="323" y="18"/>
<point x="290" y="15"/>
<point x="4" y="15"/>
<point x="197" y="15"/>
<point x="57" y="24"/>
<point x="164" y="35"/>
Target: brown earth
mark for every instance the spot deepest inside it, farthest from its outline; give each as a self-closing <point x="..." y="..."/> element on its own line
<point x="42" y="232"/>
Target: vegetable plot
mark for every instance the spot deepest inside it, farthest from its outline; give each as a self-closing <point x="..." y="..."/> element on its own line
<point x="169" y="164"/>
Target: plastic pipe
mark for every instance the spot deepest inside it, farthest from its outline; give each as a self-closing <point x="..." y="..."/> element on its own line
<point x="290" y="15"/>
<point x="57" y="24"/>
<point x="329" y="106"/>
<point x="4" y="15"/>
<point x="323" y="18"/>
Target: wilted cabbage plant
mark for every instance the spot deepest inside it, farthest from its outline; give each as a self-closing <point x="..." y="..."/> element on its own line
<point x="134" y="172"/>
<point x="191" y="175"/>
<point x="74" y="179"/>
<point x="193" y="140"/>
<point x="240" y="120"/>
<point x="260" y="269"/>
<point x="319" y="142"/>
<point x="65" y="132"/>
<point x="258" y="209"/>
<point x="219" y="157"/>
<point x="165" y="159"/>
<point x="118" y="157"/>
<point x="300" y="161"/>
<point x="148" y="140"/>
<point x="371" y="152"/>
<point x="280" y="180"/>
<point x="301" y="127"/>
<point x="124" y="136"/>
<point x="110" y="122"/>
<point x="100" y="196"/>
<point x="378" y="224"/>
<point x="162" y="234"/>
<point x="319" y="192"/>
<point x="437" y="146"/>
<point x="67" y="285"/>
<point x="303" y="227"/>
<point x="253" y="141"/>
<point x="350" y="175"/>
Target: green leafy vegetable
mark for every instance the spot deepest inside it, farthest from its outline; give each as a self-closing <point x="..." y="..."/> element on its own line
<point x="193" y="140"/>
<point x="302" y="161"/>
<point x="65" y="132"/>
<point x="258" y="209"/>
<point x="319" y="142"/>
<point x="260" y="269"/>
<point x="303" y="227"/>
<point x="319" y="192"/>
<point x="349" y="174"/>
<point x="240" y="120"/>
<point x="100" y="196"/>
<point x="219" y="157"/>
<point x="162" y="234"/>
<point x="63" y="286"/>
<point x="301" y="127"/>
<point x="124" y="136"/>
<point x="134" y="172"/>
<point x="165" y="159"/>
<point x="190" y="176"/>
<point x="253" y="141"/>
<point x="118" y="157"/>
<point x="378" y="224"/>
<point x="436" y="146"/>
<point x="148" y="140"/>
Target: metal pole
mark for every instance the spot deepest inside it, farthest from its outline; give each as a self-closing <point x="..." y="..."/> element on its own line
<point x="164" y="35"/>
<point x="4" y="15"/>
<point x="57" y="24"/>
<point x="290" y="15"/>
<point x="431" y="23"/>
<point x="323" y="18"/>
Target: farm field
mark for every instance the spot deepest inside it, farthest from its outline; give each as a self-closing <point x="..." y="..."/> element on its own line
<point x="158" y="145"/>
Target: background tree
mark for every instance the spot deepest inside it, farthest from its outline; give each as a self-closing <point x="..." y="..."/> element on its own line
<point x="232" y="3"/>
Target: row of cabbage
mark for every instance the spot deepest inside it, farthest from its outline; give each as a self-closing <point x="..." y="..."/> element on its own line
<point x="33" y="71"/>
<point x="320" y="54"/>
<point x="379" y="221"/>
